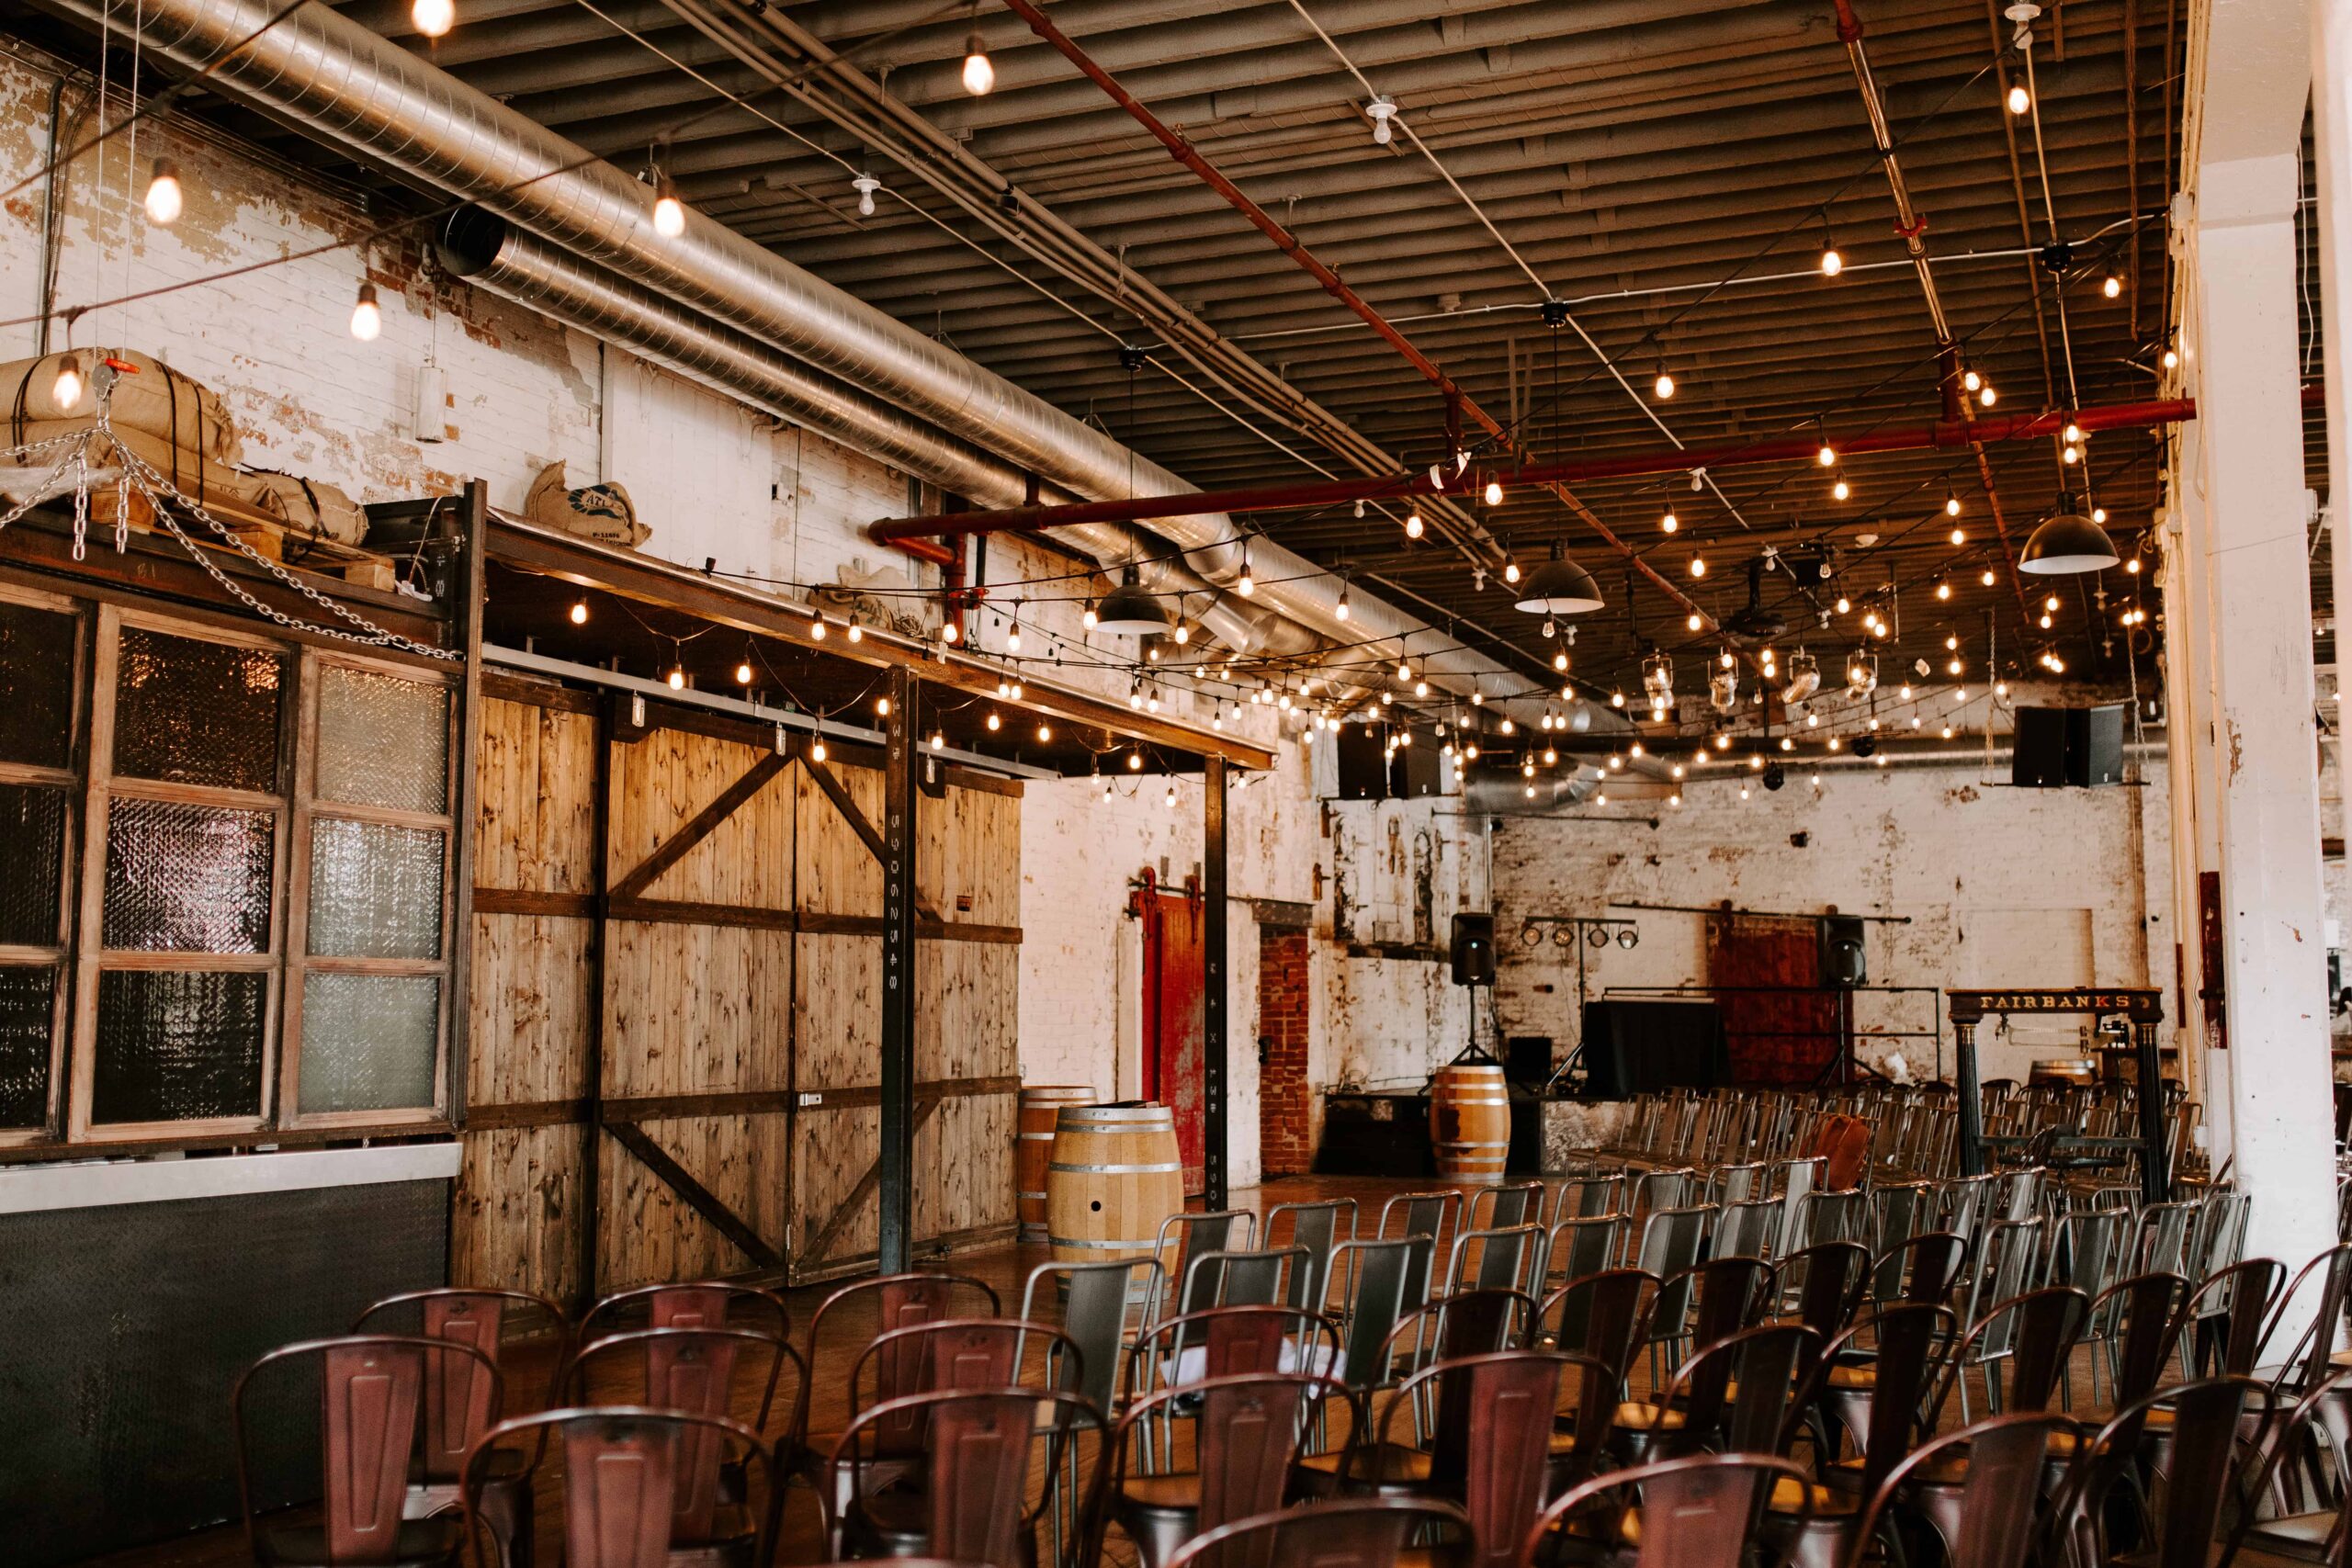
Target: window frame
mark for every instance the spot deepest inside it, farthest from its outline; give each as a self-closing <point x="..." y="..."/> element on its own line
<point x="308" y="807"/>
<point x="58" y="958"/>
<point x="92" y="958"/>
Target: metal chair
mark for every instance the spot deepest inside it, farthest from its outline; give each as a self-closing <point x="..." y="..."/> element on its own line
<point x="1695" y="1512"/>
<point x="1583" y="1245"/>
<point x="1350" y="1532"/>
<point x="1588" y="1197"/>
<point x="1511" y="1259"/>
<point x="1316" y="1227"/>
<point x="1976" y="1488"/>
<point x="696" y="1304"/>
<point x="371" y="1392"/>
<point x="2032" y="1337"/>
<point x="636" y="1484"/>
<point x="965" y="1498"/>
<point x="2199" y="1487"/>
<point x="896" y="1300"/>
<point x="1248" y="1432"/>
<point x="457" y="1408"/>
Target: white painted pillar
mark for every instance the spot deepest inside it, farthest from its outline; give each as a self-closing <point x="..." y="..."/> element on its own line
<point x="2332" y="165"/>
<point x="2241" y="330"/>
<point x="2196" y="842"/>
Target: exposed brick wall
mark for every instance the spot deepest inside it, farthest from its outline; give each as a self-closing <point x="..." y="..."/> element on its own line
<point x="1284" y="1102"/>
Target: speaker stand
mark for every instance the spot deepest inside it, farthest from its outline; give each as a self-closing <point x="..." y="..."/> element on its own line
<point x="1474" y="1051"/>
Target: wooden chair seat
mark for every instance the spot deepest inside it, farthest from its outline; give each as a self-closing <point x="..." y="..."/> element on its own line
<point x="1633" y="1416"/>
<point x="1177" y="1490"/>
<point x="1829" y="1502"/>
<point x="1390" y="1464"/>
<point x="1856" y="1375"/>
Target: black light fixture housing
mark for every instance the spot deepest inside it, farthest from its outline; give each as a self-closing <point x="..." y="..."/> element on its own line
<point x="2067" y="543"/>
<point x="1128" y="611"/>
<point x="1559" y="587"/>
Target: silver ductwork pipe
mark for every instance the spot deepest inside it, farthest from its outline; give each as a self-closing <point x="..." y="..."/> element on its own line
<point x="344" y="84"/>
<point x="493" y="256"/>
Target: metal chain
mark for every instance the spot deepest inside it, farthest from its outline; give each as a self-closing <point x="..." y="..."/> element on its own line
<point x="147" y="481"/>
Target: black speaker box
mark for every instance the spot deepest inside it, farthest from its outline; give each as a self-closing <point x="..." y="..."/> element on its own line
<point x="2078" y="747"/>
<point x="1363" y="764"/>
<point x="1844" y="960"/>
<point x="1474" y="950"/>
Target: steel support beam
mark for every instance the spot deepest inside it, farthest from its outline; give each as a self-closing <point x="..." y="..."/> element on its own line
<point x="1215" y="977"/>
<point x="895" y="1189"/>
<point x="1268" y="497"/>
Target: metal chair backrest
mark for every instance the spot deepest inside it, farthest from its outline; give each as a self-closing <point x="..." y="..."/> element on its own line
<point x="2088" y="1251"/>
<point x="1375" y="1275"/>
<point x="1899" y="1212"/>
<point x="1101" y="1299"/>
<point x="628" y="1501"/>
<point x="1914" y="1339"/>
<point x="1672" y="1239"/>
<point x="1766" y="1359"/>
<point x="1421" y="1213"/>
<point x="898" y="1301"/>
<point x="2144" y="1309"/>
<point x="2198" y="1491"/>
<point x="1469" y="1323"/>
<point x="1657" y="1191"/>
<point x="1604" y="1315"/>
<point x="1996" y="1525"/>
<point x="2029" y="1338"/>
<point x="2008" y="1265"/>
<point x="1729" y="1184"/>
<point x="1586" y="1197"/>
<point x="696" y="1304"/>
<point x="1696" y="1512"/>
<point x="1196" y="1235"/>
<point x="1747" y="1229"/>
<point x="1929" y="1266"/>
<point x="2160" y="1242"/>
<point x="2218" y="1239"/>
<point x="1831" y="1216"/>
<point x="1504" y="1204"/>
<point x="1830" y="1279"/>
<point x="2306" y="1364"/>
<point x="2309" y="1443"/>
<point x="371" y="1390"/>
<point x="1492" y="1442"/>
<point x="1242" y="1279"/>
<point x="957" y="1353"/>
<point x="705" y="1371"/>
<point x="2239" y="1297"/>
<point x="1731" y="1293"/>
<point x="1793" y="1179"/>
<point x="1510" y="1259"/>
<point x="1317" y="1227"/>
<point x="1248" y="1431"/>
<point x="457" y="1401"/>
<point x="978" y="1458"/>
<point x="1584" y="1244"/>
<point x="1346" y="1532"/>
<point x="1231" y="1340"/>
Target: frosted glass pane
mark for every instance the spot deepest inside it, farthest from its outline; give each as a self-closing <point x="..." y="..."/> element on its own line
<point x="26" y="1015"/>
<point x="382" y="740"/>
<point x="375" y="891"/>
<point x="367" y="1041"/>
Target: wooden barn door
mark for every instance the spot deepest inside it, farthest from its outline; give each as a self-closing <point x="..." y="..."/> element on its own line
<point x="968" y="888"/>
<point x="1172" y="987"/>
<point x="1784" y="1029"/>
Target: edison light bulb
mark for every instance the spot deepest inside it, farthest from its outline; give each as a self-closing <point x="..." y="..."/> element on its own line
<point x="1665" y="386"/>
<point x="979" y="75"/>
<point x="1970" y="379"/>
<point x="66" y="390"/>
<point x="1840" y="490"/>
<point x="1670" y="523"/>
<point x="433" y="18"/>
<point x="1988" y="578"/>
<point x="1832" y="263"/>
<point x="580" y="611"/>
<point x="2018" y="100"/>
<point x="1494" y="492"/>
<point x="163" y="198"/>
<point x="865" y="186"/>
<point x="1827" y="456"/>
<point x="816" y="749"/>
<point x="1958" y="536"/>
<point x="1698" y="566"/>
<point x="669" y="212"/>
<point x="366" y="318"/>
<point x="1510" y="570"/>
<point x="1987" y="397"/>
<point x="677" y="677"/>
<point x="1413" y="523"/>
<point x="1951" y="506"/>
<point x="2112" y="286"/>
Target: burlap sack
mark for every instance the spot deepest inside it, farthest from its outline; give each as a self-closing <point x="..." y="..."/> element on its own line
<point x="600" y="512"/>
<point x="154" y="400"/>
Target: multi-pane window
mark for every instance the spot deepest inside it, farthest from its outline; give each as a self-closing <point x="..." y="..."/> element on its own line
<point x="264" y="848"/>
<point x="40" y="677"/>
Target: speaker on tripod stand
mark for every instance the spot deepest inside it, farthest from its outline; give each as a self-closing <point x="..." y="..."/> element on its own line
<point x="1473" y="950"/>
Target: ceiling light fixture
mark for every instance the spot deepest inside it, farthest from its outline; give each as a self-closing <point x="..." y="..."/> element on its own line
<point x="163" y="200"/>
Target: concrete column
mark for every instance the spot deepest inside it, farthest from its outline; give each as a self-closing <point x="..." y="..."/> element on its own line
<point x="2332" y="166"/>
<point x="2246" y="461"/>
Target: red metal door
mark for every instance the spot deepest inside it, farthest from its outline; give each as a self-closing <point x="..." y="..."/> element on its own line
<point x="1780" y="1021"/>
<point x="1173" y="979"/>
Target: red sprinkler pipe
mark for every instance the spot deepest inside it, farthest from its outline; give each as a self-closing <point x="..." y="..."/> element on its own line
<point x="1329" y="493"/>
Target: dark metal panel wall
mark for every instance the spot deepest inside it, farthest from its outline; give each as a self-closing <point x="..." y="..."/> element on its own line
<point x="123" y="1328"/>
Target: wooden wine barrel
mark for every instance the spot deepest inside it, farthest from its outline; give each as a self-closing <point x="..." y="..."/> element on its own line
<point x="1116" y="1174"/>
<point x="1470" y="1121"/>
<point x="1032" y="1145"/>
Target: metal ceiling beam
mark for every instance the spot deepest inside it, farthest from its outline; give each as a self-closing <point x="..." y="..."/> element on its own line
<point x="1947" y="434"/>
